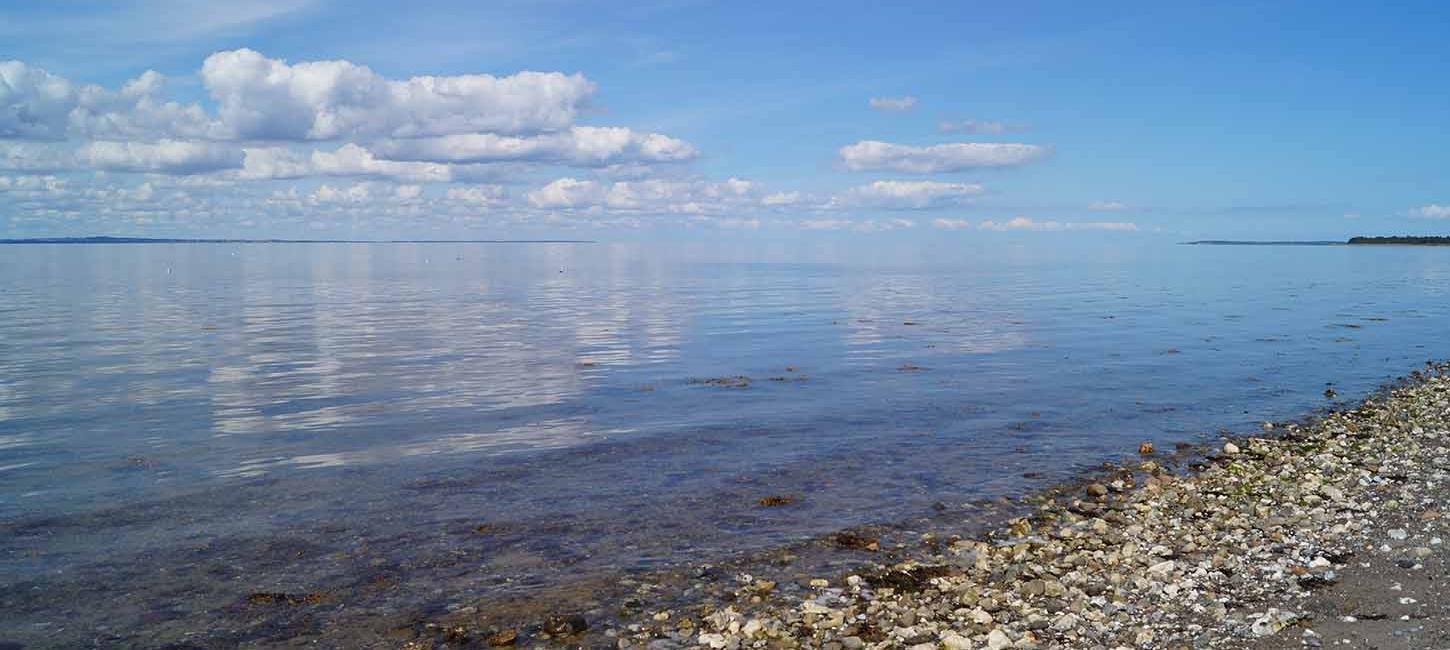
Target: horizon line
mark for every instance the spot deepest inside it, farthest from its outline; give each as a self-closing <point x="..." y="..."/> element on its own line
<point x="108" y="239"/>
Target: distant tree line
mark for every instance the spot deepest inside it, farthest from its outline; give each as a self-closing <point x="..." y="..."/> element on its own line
<point x="1417" y="241"/>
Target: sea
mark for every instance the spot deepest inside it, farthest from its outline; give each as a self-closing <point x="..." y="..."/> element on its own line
<point x="412" y="428"/>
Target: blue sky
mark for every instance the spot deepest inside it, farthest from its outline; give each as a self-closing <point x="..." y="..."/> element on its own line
<point x="297" y="118"/>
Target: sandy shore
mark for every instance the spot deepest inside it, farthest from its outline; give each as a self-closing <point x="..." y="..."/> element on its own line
<point x="1321" y="534"/>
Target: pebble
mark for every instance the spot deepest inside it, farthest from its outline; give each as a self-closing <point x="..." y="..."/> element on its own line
<point x="1154" y="566"/>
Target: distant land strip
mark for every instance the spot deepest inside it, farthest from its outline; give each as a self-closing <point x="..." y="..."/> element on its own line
<point x="1353" y="241"/>
<point x="156" y="240"/>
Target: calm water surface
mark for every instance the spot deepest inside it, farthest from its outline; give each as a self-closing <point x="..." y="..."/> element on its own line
<point x="181" y="425"/>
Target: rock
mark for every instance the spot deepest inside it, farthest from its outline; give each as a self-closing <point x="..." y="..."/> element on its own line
<point x="1066" y="623"/>
<point x="1230" y="448"/>
<point x="1145" y="448"/>
<point x="997" y="640"/>
<point x="953" y="641"/>
<point x="1097" y="490"/>
<point x="1399" y="534"/>
<point x="506" y="637"/>
<point x="565" y="625"/>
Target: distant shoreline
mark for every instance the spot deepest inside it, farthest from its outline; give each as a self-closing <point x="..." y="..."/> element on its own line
<point x="1352" y="241"/>
<point x="157" y="240"/>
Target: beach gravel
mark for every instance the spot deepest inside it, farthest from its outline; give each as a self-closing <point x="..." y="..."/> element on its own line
<point x="1323" y="534"/>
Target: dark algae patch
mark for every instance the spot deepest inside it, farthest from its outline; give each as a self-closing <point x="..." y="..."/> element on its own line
<point x="280" y="598"/>
<point x="737" y="381"/>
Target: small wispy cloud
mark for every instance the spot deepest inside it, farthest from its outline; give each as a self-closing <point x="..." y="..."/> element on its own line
<point x="981" y="127"/>
<point x="1432" y="211"/>
<point x="908" y="195"/>
<point x="893" y="104"/>
<point x="867" y="225"/>
<point x="872" y="155"/>
<point x="1109" y="206"/>
<point x="951" y="224"/>
<point x="1025" y="223"/>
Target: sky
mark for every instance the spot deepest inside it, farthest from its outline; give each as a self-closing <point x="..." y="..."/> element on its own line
<point x="740" y="120"/>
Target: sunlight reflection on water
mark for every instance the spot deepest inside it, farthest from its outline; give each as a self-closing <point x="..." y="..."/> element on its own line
<point x="157" y="400"/>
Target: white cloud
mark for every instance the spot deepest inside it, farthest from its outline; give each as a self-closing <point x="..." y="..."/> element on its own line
<point x="259" y="98"/>
<point x="867" y="225"/>
<point x="418" y="130"/>
<point x="781" y="199"/>
<point x="356" y="193"/>
<point x="36" y="156"/>
<point x="165" y="156"/>
<point x="137" y="112"/>
<point x="479" y="195"/>
<point x="37" y="105"/>
<point x="871" y="155"/>
<point x="567" y="193"/>
<point x="1432" y="211"/>
<point x="909" y="195"/>
<point x="826" y="224"/>
<point x="652" y="196"/>
<point x="1109" y="206"/>
<point x="33" y="103"/>
<point x="1024" y="223"/>
<point x="581" y="146"/>
<point x="893" y="104"/>
<point x="951" y="224"/>
<point x="984" y="127"/>
<point x="347" y="160"/>
<point x="49" y="184"/>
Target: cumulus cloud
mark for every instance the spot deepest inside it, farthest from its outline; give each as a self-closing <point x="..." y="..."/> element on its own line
<point x="580" y="146"/>
<point x="48" y="184"/>
<point x="347" y="160"/>
<point x="165" y="156"/>
<point x="137" y="111"/>
<point x="567" y="193"/>
<point x="893" y="104"/>
<point x="1432" y="211"/>
<point x="356" y="193"/>
<point x="34" y="104"/>
<point x="909" y="195"/>
<point x="951" y="224"/>
<point x="260" y="98"/>
<point x="652" y="196"/>
<point x="270" y="113"/>
<point x="871" y="155"/>
<point x="1109" y="206"/>
<point x="407" y="192"/>
<point x="1024" y="223"/>
<point x="780" y="199"/>
<point x="36" y="156"/>
<point x="38" y="105"/>
<point x="478" y="195"/>
<point x="982" y="127"/>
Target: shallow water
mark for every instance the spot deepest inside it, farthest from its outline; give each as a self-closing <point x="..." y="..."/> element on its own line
<point x="413" y="426"/>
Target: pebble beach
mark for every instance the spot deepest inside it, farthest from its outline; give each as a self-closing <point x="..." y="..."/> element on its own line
<point x="1323" y="533"/>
